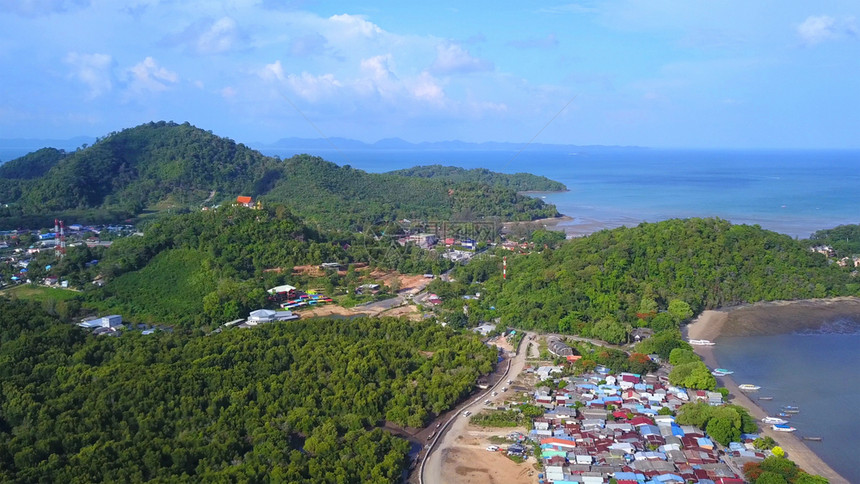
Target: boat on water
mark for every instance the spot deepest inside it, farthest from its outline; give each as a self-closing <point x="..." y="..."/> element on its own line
<point x="774" y="421"/>
<point x="783" y="428"/>
<point x="785" y="410"/>
<point x="723" y="370"/>
<point x="748" y="387"/>
<point x="701" y="342"/>
<point x="790" y="407"/>
<point x="765" y="398"/>
<point x="783" y="415"/>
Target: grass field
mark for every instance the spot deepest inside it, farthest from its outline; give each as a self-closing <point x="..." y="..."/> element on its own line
<point x="39" y="293"/>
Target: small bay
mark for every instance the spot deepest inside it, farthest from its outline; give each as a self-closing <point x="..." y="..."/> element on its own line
<point x="815" y="371"/>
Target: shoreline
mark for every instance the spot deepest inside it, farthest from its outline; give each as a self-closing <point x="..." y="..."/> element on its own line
<point x="755" y="319"/>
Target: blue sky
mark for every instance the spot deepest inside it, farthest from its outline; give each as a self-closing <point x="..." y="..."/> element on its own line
<point x="728" y="74"/>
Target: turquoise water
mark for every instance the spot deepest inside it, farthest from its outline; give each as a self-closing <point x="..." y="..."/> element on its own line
<point x="815" y="372"/>
<point x="791" y="192"/>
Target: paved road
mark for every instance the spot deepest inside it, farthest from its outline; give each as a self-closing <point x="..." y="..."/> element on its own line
<point x="431" y="466"/>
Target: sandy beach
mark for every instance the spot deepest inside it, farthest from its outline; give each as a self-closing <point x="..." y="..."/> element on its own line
<point x="758" y="319"/>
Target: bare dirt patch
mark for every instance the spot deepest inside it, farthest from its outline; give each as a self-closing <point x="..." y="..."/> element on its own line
<point x="478" y="466"/>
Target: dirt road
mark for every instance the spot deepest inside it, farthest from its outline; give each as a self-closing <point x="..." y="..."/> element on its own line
<point x="433" y="470"/>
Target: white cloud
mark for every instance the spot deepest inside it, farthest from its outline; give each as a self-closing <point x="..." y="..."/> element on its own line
<point x="228" y="92"/>
<point x="314" y="88"/>
<point x="452" y="59"/>
<point x="821" y="28"/>
<point x="220" y="37"/>
<point x="94" y="70"/>
<point x="356" y="25"/>
<point x="147" y="75"/>
<point x="817" y="29"/>
<point x="426" y="88"/>
<point x="273" y="72"/>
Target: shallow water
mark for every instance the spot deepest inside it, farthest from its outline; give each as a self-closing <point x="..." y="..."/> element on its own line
<point x="815" y="371"/>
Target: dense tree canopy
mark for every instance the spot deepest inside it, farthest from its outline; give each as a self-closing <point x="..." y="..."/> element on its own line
<point x="287" y="402"/>
<point x="163" y="165"/>
<point x="681" y="266"/>
<point x="518" y="181"/>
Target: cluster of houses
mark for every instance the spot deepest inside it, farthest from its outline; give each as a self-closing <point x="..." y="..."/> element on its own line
<point x="427" y="241"/>
<point x="830" y="253"/>
<point x="600" y="427"/>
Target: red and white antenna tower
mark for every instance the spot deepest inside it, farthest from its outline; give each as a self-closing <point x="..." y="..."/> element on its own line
<point x="60" y="239"/>
<point x="505" y="267"/>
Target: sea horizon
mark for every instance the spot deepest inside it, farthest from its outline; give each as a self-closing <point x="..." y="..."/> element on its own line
<point x="793" y="192"/>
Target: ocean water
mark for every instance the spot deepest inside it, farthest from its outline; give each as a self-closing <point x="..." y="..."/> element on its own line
<point x="816" y="372"/>
<point x="791" y="192"/>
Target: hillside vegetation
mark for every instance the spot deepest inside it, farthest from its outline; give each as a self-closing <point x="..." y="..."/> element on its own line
<point x="845" y="239"/>
<point x="520" y="182"/>
<point x="297" y="402"/>
<point x="163" y="165"/>
<point x="664" y="272"/>
<point x="211" y="266"/>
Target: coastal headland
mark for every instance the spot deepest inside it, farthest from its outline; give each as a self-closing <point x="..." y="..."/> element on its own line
<point x="767" y="319"/>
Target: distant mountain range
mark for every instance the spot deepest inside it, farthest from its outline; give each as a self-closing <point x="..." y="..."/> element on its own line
<point x="300" y="144"/>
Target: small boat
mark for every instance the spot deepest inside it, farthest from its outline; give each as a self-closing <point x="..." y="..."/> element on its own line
<point x="765" y="398"/>
<point x="814" y="439"/>
<point x="774" y="421"/>
<point x="701" y="342"/>
<point x="783" y="415"/>
<point x="783" y="428"/>
<point x="785" y="410"/>
<point x="748" y="387"/>
<point x="790" y="407"/>
<point x="723" y="371"/>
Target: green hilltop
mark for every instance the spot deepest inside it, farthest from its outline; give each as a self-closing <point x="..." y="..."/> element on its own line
<point x="164" y="165"/>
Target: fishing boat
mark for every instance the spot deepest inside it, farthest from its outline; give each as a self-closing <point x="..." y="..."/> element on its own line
<point x="786" y="410"/>
<point x="783" y="428"/>
<point x="774" y="421"/>
<point x="790" y="407"/>
<point x="765" y="398"/>
<point x="701" y="342"/>
<point x="723" y="370"/>
<point x="814" y="439"/>
<point x="783" y="415"/>
<point x="748" y="387"/>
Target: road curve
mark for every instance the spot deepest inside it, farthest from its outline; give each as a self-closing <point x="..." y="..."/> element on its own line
<point x="431" y="466"/>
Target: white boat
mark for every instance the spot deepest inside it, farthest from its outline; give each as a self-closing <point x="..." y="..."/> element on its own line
<point x="774" y="421"/>
<point x="701" y="342"/>
<point x="723" y="371"/>
<point x="783" y="428"/>
<point x="748" y="387"/>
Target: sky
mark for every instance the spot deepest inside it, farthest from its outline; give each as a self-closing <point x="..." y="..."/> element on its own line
<point x="732" y="74"/>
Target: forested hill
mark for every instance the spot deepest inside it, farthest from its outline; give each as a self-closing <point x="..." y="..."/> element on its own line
<point x="167" y="165"/>
<point x="602" y="281"/>
<point x="521" y="182"/>
<point x="342" y="196"/>
<point x="298" y="402"/>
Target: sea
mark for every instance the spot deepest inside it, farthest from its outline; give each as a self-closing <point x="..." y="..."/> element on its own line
<point x="815" y="371"/>
<point x="791" y="192"/>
